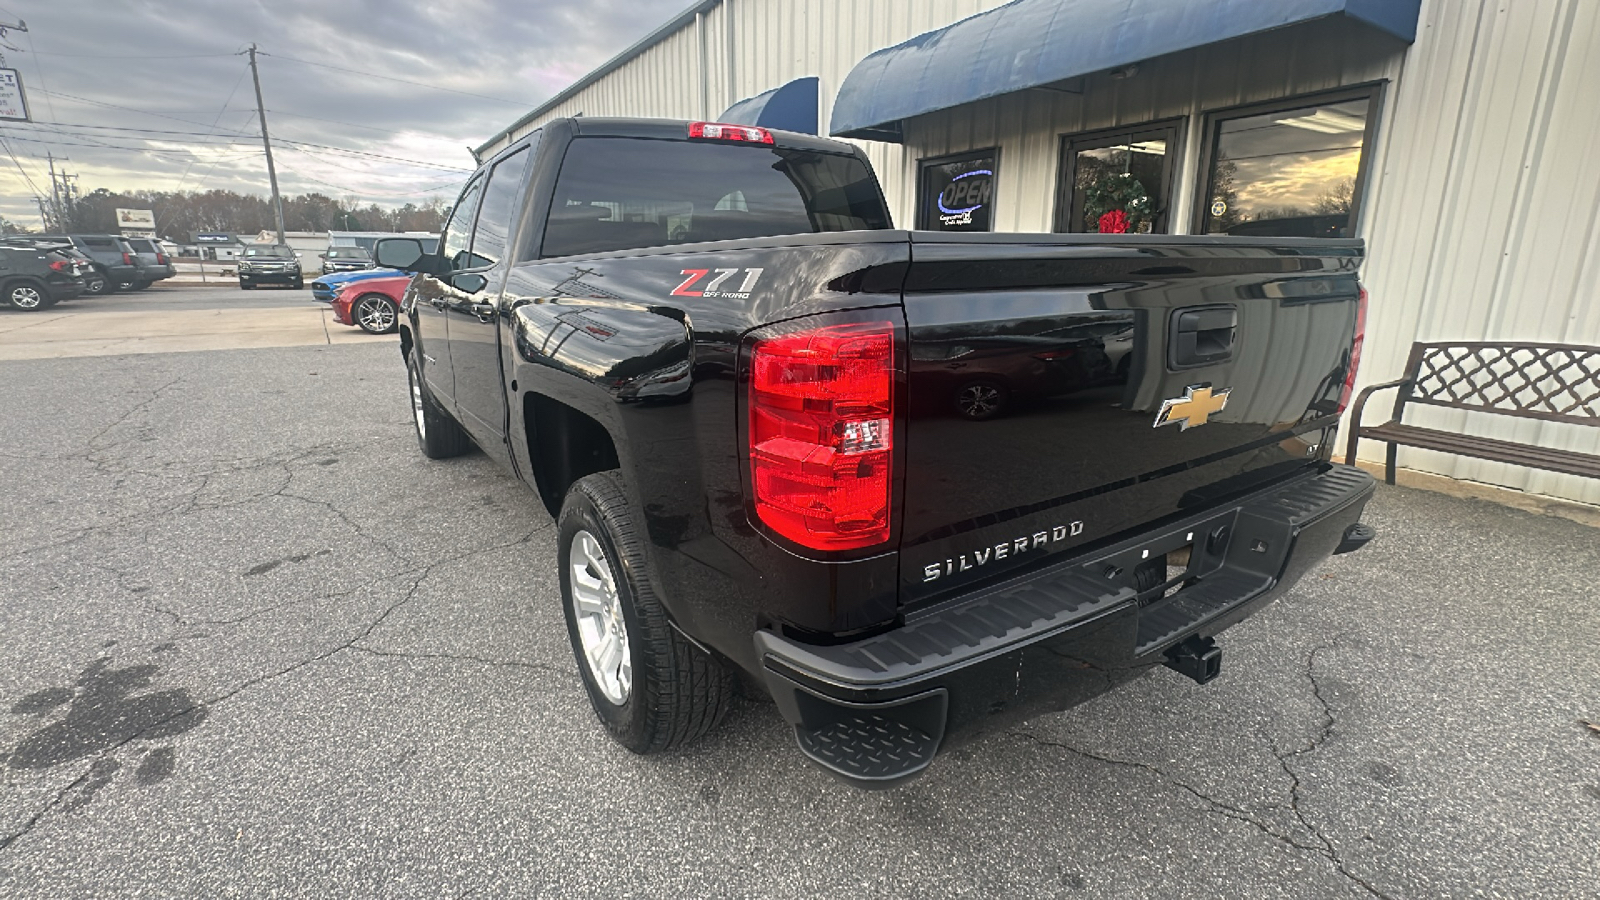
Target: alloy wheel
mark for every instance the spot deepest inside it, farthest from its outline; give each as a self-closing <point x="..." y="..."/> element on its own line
<point x="374" y="314"/>
<point x="417" y="412"/>
<point x="26" y="297"/>
<point x="597" y="608"/>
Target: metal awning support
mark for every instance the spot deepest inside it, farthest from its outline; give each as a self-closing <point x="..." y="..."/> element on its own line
<point x="1038" y="43"/>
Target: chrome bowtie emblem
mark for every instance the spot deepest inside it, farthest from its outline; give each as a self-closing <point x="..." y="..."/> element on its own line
<point x="1195" y="407"/>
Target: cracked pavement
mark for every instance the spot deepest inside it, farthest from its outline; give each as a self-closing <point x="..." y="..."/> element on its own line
<point x="256" y="645"/>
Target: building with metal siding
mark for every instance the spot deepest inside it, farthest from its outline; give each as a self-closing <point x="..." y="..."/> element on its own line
<point x="1477" y="200"/>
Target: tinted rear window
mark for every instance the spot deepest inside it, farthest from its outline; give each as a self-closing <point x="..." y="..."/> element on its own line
<point x="99" y="242"/>
<point x="624" y="193"/>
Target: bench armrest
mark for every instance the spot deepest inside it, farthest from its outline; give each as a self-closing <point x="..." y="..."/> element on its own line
<point x="1355" y="416"/>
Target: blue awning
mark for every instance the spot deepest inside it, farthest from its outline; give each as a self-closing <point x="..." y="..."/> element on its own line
<point x="792" y="107"/>
<point x="1032" y="43"/>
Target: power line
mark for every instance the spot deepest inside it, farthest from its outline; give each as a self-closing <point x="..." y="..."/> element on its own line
<point x="413" y="162"/>
<point x="308" y="62"/>
<point x="54" y="125"/>
<point x="104" y="56"/>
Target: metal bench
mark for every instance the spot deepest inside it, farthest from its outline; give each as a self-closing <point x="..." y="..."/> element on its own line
<point x="1552" y="382"/>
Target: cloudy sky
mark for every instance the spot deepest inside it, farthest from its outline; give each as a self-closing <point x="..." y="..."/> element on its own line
<point x="150" y="95"/>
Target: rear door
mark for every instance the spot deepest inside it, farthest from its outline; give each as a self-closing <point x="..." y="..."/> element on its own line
<point x="1068" y="392"/>
<point x="473" y="307"/>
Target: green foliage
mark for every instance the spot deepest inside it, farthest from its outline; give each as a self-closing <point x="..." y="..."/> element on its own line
<point x="1118" y="190"/>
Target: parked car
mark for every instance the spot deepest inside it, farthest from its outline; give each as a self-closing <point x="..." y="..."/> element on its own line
<point x="113" y="260"/>
<point x="154" y="265"/>
<point x="269" y="264"/>
<point x="742" y="427"/>
<point x="327" y="287"/>
<point x="35" y="278"/>
<point x="371" y="304"/>
<point x="346" y="259"/>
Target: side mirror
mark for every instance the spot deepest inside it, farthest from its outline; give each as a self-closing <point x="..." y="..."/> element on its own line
<point x="405" y="254"/>
<point x="469" y="282"/>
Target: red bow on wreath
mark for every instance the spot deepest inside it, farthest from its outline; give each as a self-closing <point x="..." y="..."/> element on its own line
<point x="1114" y="222"/>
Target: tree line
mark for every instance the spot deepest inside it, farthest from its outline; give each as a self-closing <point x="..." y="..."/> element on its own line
<point x="178" y="213"/>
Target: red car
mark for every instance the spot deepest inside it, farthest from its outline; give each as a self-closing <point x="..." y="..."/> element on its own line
<point x="373" y="304"/>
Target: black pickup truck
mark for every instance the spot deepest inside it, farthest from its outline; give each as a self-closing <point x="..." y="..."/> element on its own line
<point x="914" y="486"/>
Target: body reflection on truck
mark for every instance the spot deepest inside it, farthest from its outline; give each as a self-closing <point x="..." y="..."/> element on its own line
<point x="979" y="375"/>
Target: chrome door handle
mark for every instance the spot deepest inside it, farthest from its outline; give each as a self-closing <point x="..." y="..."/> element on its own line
<point x="484" y="311"/>
<point x="439" y="303"/>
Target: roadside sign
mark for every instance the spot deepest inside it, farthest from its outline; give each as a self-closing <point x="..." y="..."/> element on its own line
<point x="136" y="219"/>
<point x="13" y="103"/>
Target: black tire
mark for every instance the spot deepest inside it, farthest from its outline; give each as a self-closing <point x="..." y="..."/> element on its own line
<point x="980" y="400"/>
<point x="299" y="283"/>
<point x="372" y="320"/>
<point x="28" y="296"/>
<point x="438" y="435"/>
<point x="98" y="283"/>
<point x="677" y="691"/>
<point x="140" y="285"/>
<point x="246" y="287"/>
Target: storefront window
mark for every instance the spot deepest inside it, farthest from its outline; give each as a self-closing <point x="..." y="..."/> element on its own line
<point x="1116" y="182"/>
<point x="1288" y="172"/>
<point x="958" y="192"/>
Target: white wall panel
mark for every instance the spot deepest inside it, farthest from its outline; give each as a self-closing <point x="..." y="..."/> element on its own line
<point x="1485" y="223"/>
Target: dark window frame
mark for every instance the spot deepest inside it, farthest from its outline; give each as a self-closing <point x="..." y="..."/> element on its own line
<point x="1074" y="143"/>
<point x="493" y="169"/>
<point x="1373" y="92"/>
<point x="925" y="202"/>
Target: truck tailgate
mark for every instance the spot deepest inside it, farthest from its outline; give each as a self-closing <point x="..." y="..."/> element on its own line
<point x="1062" y="392"/>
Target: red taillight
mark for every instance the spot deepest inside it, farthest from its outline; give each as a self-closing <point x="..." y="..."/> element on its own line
<point x="716" y="131"/>
<point x="1355" y="351"/>
<point x="60" y="265"/>
<point x="161" y="259"/>
<point x="822" y="434"/>
<point x="127" y="260"/>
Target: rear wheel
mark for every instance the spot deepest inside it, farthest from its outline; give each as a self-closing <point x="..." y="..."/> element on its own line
<point x="438" y="435"/>
<point x="375" y="313"/>
<point x="27" y="296"/>
<point x="651" y="687"/>
<point x="96" y="283"/>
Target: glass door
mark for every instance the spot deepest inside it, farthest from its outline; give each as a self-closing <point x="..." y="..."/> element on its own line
<point x="1117" y="181"/>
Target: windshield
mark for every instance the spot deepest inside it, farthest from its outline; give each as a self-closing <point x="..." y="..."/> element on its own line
<point x="268" y="250"/>
<point x="348" y="253"/>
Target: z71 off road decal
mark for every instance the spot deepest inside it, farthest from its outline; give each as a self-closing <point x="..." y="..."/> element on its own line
<point x="713" y="288"/>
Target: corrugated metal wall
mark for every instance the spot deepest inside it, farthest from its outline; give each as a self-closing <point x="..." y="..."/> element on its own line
<point x="1485" y="224"/>
<point x="1482" y="213"/>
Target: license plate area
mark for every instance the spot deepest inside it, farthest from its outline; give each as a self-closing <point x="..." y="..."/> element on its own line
<point x="1165" y="565"/>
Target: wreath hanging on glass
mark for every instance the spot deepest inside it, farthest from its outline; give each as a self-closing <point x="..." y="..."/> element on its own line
<point x="1118" y="204"/>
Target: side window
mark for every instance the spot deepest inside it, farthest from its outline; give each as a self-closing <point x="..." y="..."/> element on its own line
<point x="495" y="214"/>
<point x="458" y="231"/>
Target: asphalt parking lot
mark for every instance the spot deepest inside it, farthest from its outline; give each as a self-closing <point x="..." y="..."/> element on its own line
<point x="256" y="645"/>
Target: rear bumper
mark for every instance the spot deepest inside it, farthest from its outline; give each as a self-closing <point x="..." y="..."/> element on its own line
<point x="875" y="712"/>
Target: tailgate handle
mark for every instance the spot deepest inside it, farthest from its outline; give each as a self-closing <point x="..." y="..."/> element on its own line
<point x="1202" y="336"/>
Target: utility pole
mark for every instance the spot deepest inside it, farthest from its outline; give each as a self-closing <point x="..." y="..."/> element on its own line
<point x="55" y="194"/>
<point x="272" y="173"/>
<point x="43" y="219"/>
